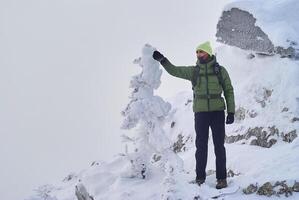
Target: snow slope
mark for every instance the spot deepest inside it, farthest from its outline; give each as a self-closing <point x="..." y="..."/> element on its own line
<point x="267" y="101"/>
<point x="255" y="164"/>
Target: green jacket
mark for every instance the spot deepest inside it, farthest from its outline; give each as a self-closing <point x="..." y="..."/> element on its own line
<point x="207" y="85"/>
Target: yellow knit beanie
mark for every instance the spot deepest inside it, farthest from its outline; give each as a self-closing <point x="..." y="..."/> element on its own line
<point x="206" y="47"/>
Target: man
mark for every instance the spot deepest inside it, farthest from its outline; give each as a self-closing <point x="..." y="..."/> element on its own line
<point x="209" y="81"/>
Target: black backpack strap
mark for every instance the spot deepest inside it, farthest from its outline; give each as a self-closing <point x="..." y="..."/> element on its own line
<point x="217" y="71"/>
<point x="195" y="76"/>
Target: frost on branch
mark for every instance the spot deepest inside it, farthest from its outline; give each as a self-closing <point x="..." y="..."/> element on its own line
<point x="147" y="112"/>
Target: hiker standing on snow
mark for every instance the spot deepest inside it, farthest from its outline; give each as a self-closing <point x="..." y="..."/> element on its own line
<point x="208" y="79"/>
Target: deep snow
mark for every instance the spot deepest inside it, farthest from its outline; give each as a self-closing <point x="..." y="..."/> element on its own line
<point x="255" y="164"/>
<point x="252" y="78"/>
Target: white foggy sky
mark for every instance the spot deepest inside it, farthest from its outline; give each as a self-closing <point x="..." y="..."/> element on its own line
<point x="65" y="68"/>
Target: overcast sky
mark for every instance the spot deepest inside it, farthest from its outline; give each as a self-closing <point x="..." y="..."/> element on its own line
<point x="65" y="67"/>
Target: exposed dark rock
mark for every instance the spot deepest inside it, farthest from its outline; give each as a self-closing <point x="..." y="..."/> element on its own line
<point x="197" y="198"/>
<point x="263" y="103"/>
<point x="283" y="188"/>
<point x="156" y="158"/>
<point x="69" y="177"/>
<point x="95" y="163"/>
<point x="263" y="55"/>
<point x="250" y="56"/>
<point x="273" y="130"/>
<point x="267" y="93"/>
<point x="179" y="145"/>
<point x="263" y="143"/>
<point x="262" y="136"/>
<point x="292" y="43"/>
<point x="188" y="101"/>
<point x="289" y="137"/>
<point x="290" y="52"/>
<point x="295" y="119"/>
<point x="140" y="169"/>
<point x="234" y="138"/>
<point x="231" y="173"/>
<point x="240" y="114"/>
<point x="250" y="189"/>
<point x="172" y="124"/>
<point x="296" y="186"/>
<point x="266" y="189"/>
<point x="257" y="132"/>
<point x="81" y="193"/>
<point x="285" y="109"/>
<point x="143" y="170"/>
<point x="252" y="113"/>
<point x="237" y="28"/>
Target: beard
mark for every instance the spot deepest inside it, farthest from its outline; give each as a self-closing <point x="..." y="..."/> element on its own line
<point x="203" y="59"/>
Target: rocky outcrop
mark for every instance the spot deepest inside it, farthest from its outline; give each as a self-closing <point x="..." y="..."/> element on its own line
<point x="237" y="28"/>
<point x="70" y="177"/>
<point x="269" y="189"/>
<point x="250" y="189"/>
<point x="81" y="193"/>
<point x="262" y="137"/>
<point x="180" y="144"/>
<point x="243" y="113"/>
<point x="295" y="119"/>
<point x="289" y="137"/>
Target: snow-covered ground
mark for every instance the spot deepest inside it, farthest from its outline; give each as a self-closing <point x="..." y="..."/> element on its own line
<point x="267" y="101"/>
<point x="254" y="164"/>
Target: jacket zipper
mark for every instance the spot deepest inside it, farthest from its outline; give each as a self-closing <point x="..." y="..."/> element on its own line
<point x="207" y="81"/>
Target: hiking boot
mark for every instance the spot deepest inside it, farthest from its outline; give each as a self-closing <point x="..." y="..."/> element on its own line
<point x="199" y="181"/>
<point x="221" y="183"/>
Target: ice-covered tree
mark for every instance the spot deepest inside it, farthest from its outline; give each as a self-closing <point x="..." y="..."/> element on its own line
<point x="146" y="111"/>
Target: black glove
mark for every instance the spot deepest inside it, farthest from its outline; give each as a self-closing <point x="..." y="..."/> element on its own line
<point x="158" y="56"/>
<point x="230" y="118"/>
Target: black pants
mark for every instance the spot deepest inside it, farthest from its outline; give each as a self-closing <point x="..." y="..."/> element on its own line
<point x="215" y="120"/>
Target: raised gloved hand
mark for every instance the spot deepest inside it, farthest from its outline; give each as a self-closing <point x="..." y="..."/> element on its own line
<point x="158" y="56"/>
<point x="230" y="118"/>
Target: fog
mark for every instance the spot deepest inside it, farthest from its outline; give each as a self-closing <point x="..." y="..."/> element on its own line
<point x="65" y="68"/>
